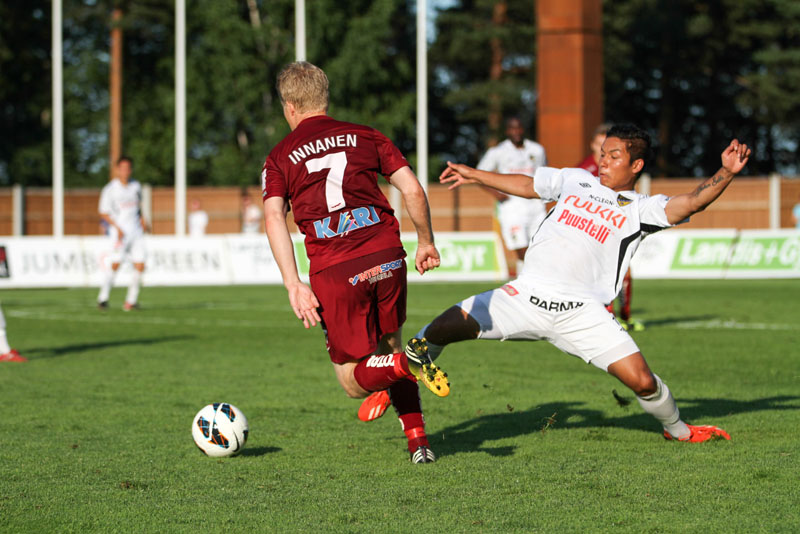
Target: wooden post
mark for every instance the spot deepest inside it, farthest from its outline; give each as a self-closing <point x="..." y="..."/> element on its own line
<point x="115" y="93"/>
<point x="569" y="76"/>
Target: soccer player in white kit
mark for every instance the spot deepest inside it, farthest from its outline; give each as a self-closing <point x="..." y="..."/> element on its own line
<point x="518" y="217"/>
<point x="121" y="208"/>
<point x="576" y="263"/>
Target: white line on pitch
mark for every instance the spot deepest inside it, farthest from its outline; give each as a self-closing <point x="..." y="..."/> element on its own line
<point x="731" y="324"/>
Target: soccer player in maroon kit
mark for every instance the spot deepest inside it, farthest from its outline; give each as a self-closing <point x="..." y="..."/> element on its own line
<point x="592" y="164"/>
<point x="326" y="171"/>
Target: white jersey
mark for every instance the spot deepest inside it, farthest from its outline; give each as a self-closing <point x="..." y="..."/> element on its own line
<point x="506" y="158"/>
<point x="518" y="217"/>
<point x="583" y="248"/>
<point x="198" y="221"/>
<point x="122" y="202"/>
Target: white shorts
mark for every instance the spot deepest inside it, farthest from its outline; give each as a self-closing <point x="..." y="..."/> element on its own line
<point x="582" y="328"/>
<point x="132" y="248"/>
<point x="519" y="219"/>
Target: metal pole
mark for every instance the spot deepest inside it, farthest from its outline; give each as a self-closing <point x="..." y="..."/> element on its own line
<point x="18" y="210"/>
<point x="300" y="30"/>
<point x="774" y="201"/>
<point x="422" y="94"/>
<point x="180" y="117"/>
<point x="58" y="123"/>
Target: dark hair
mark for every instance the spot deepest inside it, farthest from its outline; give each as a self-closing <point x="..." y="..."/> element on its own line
<point x="125" y="158"/>
<point x="636" y="140"/>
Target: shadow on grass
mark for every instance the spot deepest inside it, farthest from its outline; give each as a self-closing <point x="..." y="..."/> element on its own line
<point x="471" y="436"/>
<point x="667" y="321"/>
<point x="54" y="352"/>
<point x="259" y="451"/>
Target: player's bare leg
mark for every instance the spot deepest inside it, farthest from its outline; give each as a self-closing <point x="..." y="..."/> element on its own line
<point x="656" y="399"/>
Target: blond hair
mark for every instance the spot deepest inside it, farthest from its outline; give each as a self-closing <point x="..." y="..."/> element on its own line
<point x="304" y="85"/>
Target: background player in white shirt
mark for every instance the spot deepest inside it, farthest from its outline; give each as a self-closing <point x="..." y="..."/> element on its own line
<point x="518" y="217"/>
<point x="576" y="263"/>
<point x="197" y="219"/>
<point x="120" y="207"/>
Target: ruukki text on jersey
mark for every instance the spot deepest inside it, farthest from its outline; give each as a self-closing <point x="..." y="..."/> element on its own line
<point x="321" y="145"/>
<point x="598" y="231"/>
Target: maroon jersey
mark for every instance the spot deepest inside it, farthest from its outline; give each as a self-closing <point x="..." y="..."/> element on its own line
<point x="589" y="164"/>
<point x="328" y="170"/>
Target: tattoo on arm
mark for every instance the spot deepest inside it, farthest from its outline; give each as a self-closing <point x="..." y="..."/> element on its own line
<point x="708" y="183"/>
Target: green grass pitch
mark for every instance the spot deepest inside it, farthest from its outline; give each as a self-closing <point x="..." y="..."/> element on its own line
<point x="95" y="429"/>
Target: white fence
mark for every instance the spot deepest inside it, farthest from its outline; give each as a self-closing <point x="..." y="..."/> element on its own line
<point x="79" y="261"/>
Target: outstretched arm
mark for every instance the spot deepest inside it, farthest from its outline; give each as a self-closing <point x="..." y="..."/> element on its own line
<point x="520" y="185"/>
<point x="301" y="297"/>
<point x="406" y="182"/>
<point x="734" y="158"/>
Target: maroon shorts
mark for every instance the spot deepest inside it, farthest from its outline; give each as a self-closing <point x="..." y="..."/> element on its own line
<point x="361" y="300"/>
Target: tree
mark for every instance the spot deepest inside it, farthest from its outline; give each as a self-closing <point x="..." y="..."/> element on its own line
<point x="482" y="67"/>
<point x="698" y="72"/>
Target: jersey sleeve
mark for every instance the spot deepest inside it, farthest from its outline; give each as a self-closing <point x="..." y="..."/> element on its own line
<point x="487" y="162"/>
<point x="653" y="215"/>
<point x="547" y="182"/>
<point x="273" y="183"/>
<point x="390" y="158"/>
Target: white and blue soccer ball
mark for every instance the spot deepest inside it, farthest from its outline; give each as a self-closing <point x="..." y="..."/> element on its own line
<point x="220" y="429"/>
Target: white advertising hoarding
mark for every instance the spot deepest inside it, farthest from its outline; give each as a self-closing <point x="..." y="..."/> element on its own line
<point x="216" y="260"/>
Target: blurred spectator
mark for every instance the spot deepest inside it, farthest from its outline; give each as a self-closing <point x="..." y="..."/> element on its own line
<point x="796" y="214"/>
<point x="592" y="161"/>
<point x="252" y="217"/>
<point x="198" y="219"/>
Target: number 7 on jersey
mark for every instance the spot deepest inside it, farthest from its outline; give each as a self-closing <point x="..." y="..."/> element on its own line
<point x="336" y="163"/>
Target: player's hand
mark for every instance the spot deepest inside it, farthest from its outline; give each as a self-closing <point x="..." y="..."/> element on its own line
<point x="120" y="234"/>
<point x="735" y="157"/>
<point x="457" y="174"/>
<point x="427" y="258"/>
<point x="304" y="303"/>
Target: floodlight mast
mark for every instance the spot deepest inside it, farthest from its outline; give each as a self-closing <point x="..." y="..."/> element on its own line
<point x="300" y="30"/>
<point x="58" y="121"/>
<point x="180" y="118"/>
<point x="422" y="93"/>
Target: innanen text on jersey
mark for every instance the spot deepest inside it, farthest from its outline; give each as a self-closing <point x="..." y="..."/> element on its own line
<point x="321" y="145"/>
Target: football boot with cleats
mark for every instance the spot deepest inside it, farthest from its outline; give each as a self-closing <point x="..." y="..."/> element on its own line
<point x="700" y="434"/>
<point x="374" y="406"/>
<point x="12" y="356"/>
<point x="423" y="455"/>
<point x="427" y="372"/>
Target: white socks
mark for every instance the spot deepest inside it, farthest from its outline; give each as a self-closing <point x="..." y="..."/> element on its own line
<point x="133" y="288"/>
<point x="105" y="287"/>
<point x="3" y="339"/>
<point x="662" y="406"/>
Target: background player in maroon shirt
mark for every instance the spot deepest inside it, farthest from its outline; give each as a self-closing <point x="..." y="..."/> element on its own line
<point x="591" y="163"/>
<point x="326" y="171"/>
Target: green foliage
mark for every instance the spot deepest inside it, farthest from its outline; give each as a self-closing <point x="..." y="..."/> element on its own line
<point x="461" y="87"/>
<point x="697" y="73"/>
<point x="693" y="72"/>
<point x="96" y="432"/>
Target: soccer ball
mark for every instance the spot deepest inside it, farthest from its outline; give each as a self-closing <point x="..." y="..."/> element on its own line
<point x="220" y="429"/>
